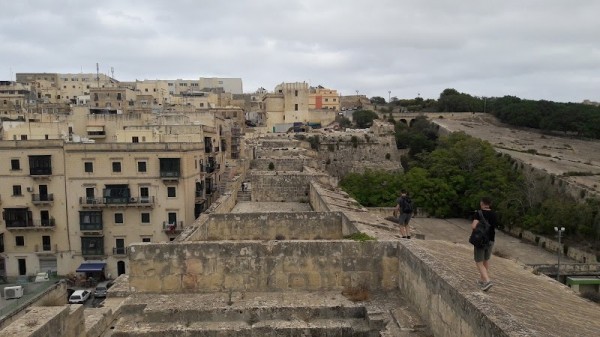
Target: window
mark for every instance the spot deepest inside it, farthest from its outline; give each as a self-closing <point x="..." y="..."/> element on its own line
<point x="17" y="190"/>
<point x="145" y="217"/>
<point x="172" y="218"/>
<point x="88" y="167"/>
<point x="118" y="218"/>
<point x="119" y="246"/>
<point x="116" y="166"/>
<point x="46" y="244"/>
<point x="20" y="240"/>
<point x="171" y="192"/>
<point x="15" y="164"/>
<point x="119" y="96"/>
<point x="135" y="139"/>
<point x="296" y="93"/>
<point x="141" y="166"/>
<point x="146" y="239"/>
<point x="23" y="137"/>
<point x="326" y="99"/>
<point x="40" y="165"/>
<point x="296" y="107"/>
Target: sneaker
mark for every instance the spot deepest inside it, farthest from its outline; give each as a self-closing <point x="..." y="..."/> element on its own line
<point x="486" y="286"/>
<point x="480" y="283"/>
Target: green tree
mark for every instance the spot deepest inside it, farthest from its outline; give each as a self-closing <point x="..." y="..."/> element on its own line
<point x="364" y="118"/>
<point x="378" y="100"/>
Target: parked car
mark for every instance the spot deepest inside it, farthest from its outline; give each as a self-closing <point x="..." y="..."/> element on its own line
<point x="42" y="277"/>
<point x="79" y="296"/>
<point x="102" y="288"/>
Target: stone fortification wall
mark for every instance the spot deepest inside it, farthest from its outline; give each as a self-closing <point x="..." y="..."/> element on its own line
<point x="279" y="143"/>
<point x="281" y="152"/>
<point x="277" y="186"/>
<point x="283" y="164"/>
<point x="263" y="266"/>
<point x="341" y="157"/>
<point x="273" y="226"/>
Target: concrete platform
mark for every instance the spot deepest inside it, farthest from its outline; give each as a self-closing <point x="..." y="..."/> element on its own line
<point x="270" y="207"/>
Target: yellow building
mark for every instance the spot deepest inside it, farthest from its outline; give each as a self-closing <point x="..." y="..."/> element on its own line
<point x="66" y="203"/>
<point x="34" y="208"/>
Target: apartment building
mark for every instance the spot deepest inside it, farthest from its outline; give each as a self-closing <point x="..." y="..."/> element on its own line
<point x="34" y="208"/>
<point x="65" y="88"/>
<point x="230" y="85"/>
<point x="14" y="97"/>
<point x="66" y="204"/>
<point x="323" y="98"/>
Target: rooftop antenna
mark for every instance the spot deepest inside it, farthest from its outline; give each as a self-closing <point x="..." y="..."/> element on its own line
<point x="98" y="74"/>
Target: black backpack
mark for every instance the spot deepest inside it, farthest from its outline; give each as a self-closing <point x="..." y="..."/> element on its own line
<point x="480" y="235"/>
<point x="406" y="205"/>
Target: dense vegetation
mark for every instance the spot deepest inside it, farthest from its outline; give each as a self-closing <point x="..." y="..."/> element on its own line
<point x="568" y="118"/>
<point x="447" y="176"/>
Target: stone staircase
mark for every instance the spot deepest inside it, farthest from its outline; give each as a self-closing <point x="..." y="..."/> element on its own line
<point x="244" y="196"/>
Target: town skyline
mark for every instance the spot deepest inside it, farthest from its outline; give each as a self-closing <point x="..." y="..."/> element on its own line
<point x="545" y="50"/>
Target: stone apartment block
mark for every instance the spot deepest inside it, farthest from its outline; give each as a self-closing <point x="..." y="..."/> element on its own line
<point x="65" y="203"/>
<point x="14" y="97"/>
<point x="34" y="208"/>
<point x="64" y="88"/>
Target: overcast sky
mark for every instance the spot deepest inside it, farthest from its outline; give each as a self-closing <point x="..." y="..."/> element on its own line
<point x="538" y="49"/>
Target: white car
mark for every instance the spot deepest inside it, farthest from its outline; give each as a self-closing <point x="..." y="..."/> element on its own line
<point x="79" y="296"/>
<point x="41" y="277"/>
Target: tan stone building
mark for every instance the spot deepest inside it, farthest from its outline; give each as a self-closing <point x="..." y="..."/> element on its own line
<point x="33" y="200"/>
<point x="67" y="203"/>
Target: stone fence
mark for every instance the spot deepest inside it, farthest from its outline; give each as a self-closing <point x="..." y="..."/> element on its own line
<point x="262" y="266"/>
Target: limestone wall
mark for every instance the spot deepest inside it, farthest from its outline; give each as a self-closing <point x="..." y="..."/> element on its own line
<point x="263" y="266"/>
<point x="64" y="321"/>
<point x="283" y="164"/>
<point x="277" y="186"/>
<point x="273" y="226"/>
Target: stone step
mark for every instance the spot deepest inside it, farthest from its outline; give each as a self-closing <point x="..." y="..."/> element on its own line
<point x="267" y="328"/>
<point x="229" y="314"/>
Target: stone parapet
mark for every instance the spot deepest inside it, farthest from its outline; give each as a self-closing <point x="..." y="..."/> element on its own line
<point x="262" y="266"/>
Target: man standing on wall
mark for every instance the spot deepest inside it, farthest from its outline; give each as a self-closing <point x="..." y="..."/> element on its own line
<point x="482" y="255"/>
<point x="404" y="210"/>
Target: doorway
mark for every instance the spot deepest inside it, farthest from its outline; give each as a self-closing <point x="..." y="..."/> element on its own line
<point x="120" y="268"/>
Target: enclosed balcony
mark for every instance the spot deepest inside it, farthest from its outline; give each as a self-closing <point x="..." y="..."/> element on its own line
<point x="40" y="166"/>
<point x="90" y="221"/>
<point x="90" y="202"/>
<point x="170" y="168"/>
<point x="92" y="246"/>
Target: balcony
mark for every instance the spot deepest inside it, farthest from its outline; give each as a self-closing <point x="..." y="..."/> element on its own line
<point x="92" y="252"/>
<point x="88" y="202"/>
<point x="43" y="224"/>
<point x="42" y="199"/>
<point x="90" y="226"/>
<point x="170" y="175"/>
<point x="40" y="173"/>
<point x="172" y="227"/>
<point x="120" y="250"/>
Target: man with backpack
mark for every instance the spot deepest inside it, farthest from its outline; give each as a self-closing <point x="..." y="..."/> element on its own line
<point x="483" y="236"/>
<point x="404" y="211"/>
